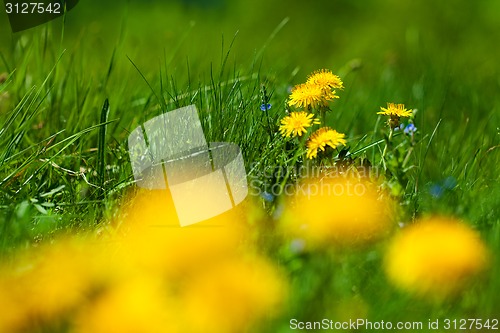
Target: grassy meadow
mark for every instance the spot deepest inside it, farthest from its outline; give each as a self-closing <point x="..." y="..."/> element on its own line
<point x="75" y="255"/>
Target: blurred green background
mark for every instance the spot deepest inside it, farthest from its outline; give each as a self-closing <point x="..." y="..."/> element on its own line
<point x="440" y="57"/>
<point x="409" y="51"/>
<point x="408" y="34"/>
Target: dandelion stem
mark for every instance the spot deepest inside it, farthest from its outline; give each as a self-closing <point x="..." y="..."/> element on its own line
<point x="388" y="142"/>
<point x="298" y="152"/>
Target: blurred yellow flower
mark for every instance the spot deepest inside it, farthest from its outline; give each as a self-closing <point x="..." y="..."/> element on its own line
<point x="297" y="123"/>
<point x="46" y="284"/>
<point x="14" y="315"/>
<point x="139" y="304"/>
<point x="323" y="137"/>
<point x="336" y="210"/>
<point x="147" y="276"/>
<point x="325" y="79"/>
<point x="435" y="257"/>
<point x="148" y="208"/>
<point x="230" y="296"/>
<point x="309" y="96"/>
<point x="221" y="285"/>
<point x="153" y="240"/>
<point x="175" y="252"/>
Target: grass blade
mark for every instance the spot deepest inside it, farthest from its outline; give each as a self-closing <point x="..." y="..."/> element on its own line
<point x="101" y="163"/>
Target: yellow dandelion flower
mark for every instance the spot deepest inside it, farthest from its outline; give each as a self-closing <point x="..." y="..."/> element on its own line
<point x="14" y="313"/>
<point x="310" y="95"/>
<point x="434" y="258"/>
<point x="45" y="284"/>
<point x="325" y="79"/>
<point x="174" y="250"/>
<point x="139" y="304"/>
<point x="336" y="210"/>
<point x="233" y="295"/>
<point x="296" y="123"/>
<point x="395" y="110"/>
<point x="323" y="137"/>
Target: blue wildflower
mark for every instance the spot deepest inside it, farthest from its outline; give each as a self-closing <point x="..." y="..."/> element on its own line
<point x="399" y="128"/>
<point x="436" y="191"/>
<point x="410" y="129"/>
<point x="265" y="107"/>
<point x="269" y="197"/>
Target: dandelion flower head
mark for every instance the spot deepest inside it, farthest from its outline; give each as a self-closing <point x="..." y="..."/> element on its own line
<point x="395" y="110"/>
<point x="434" y="258"/>
<point x="227" y="297"/>
<point x="133" y="305"/>
<point x="323" y="137"/>
<point x="141" y="279"/>
<point x="336" y="210"/>
<point x="325" y="79"/>
<point x="297" y="123"/>
<point x="309" y="95"/>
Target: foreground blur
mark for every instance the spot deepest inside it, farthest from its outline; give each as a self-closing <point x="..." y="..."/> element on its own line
<point x="147" y="275"/>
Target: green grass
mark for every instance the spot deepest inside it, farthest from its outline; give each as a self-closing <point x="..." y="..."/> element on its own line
<point x="64" y="165"/>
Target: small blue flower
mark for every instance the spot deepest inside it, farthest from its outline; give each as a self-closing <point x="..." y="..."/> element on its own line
<point x="265" y="107"/>
<point x="399" y="128"/>
<point x="436" y="191"/>
<point x="269" y="197"/>
<point x="410" y="129"/>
